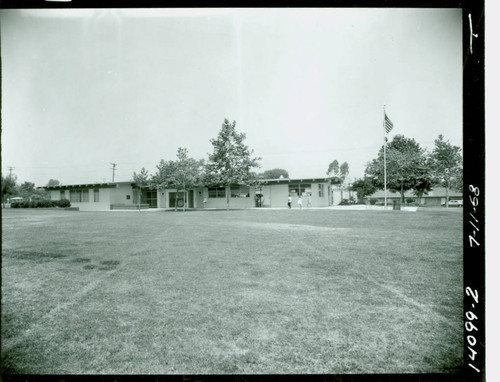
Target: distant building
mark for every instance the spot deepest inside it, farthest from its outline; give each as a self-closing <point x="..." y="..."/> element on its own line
<point x="125" y="195"/>
<point x="436" y="197"/>
<point x="275" y="191"/>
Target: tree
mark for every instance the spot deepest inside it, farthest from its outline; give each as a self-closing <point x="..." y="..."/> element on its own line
<point x="344" y="170"/>
<point x="27" y="190"/>
<point x="187" y="172"/>
<point x="141" y="180"/>
<point x="363" y="187"/>
<point x="275" y="173"/>
<point x="341" y="172"/>
<point x="407" y="167"/>
<point x="53" y="182"/>
<point x="9" y="187"/>
<point x="446" y="163"/>
<point x="333" y="168"/>
<point x="182" y="174"/>
<point x="161" y="180"/>
<point x="231" y="161"/>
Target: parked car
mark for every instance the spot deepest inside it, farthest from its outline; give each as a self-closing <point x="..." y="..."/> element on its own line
<point x="454" y="203"/>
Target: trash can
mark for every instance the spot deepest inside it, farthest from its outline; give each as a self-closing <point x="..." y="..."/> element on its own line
<point x="396" y="205"/>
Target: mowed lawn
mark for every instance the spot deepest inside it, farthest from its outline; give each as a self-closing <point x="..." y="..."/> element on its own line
<point x="254" y="291"/>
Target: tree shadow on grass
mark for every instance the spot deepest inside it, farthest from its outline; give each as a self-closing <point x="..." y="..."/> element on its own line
<point x="108" y="265"/>
<point x="8" y="365"/>
<point x="35" y="255"/>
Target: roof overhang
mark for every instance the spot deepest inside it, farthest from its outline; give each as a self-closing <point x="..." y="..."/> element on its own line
<point x="75" y="186"/>
<point x="299" y="180"/>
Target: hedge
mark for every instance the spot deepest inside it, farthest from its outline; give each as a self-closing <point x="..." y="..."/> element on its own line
<point x="63" y="203"/>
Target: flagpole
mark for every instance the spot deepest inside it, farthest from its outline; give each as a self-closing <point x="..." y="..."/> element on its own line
<point x="385" y="163"/>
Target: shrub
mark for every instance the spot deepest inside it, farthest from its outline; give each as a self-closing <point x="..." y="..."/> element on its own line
<point x="44" y="204"/>
<point x="63" y="203"/>
<point x="373" y="201"/>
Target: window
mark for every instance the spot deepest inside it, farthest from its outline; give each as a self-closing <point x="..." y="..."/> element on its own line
<point x="96" y="195"/>
<point x="128" y="197"/>
<point x="78" y="196"/>
<point x="321" y="190"/>
<point x="296" y="189"/>
<point x="217" y="192"/>
<point x="74" y="196"/>
<point x="62" y="194"/>
<point x="240" y="191"/>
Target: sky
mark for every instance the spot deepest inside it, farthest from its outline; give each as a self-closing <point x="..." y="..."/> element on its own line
<point x="82" y="89"/>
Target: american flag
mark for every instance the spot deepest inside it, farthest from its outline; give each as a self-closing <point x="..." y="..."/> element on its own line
<point x="388" y="124"/>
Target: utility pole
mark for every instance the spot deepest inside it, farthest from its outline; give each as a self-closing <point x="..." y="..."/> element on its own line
<point x="10" y="171"/>
<point x="113" y="168"/>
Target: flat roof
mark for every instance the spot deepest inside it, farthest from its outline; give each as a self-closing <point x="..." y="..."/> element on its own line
<point x="333" y="180"/>
<point x="299" y="180"/>
<point x="83" y="185"/>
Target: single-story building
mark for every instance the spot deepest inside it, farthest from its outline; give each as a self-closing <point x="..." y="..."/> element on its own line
<point x="125" y="195"/>
<point x="274" y="192"/>
<point x="435" y="197"/>
<point x="104" y="196"/>
<point x="340" y="194"/>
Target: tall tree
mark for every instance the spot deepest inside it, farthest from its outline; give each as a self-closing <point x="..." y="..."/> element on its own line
<point x="407" y="167"/>
<point x="341" y="172"/>
<point x="333" y="168"/>
<point x="344" y="170"/>
<point x="53" y="182"/>
<point x="231" y="161"/>
<point x="141" y="180"/>
<point x="446" y="164"/>
<point x="9" y="187"/>
<point x="275" y="173"/>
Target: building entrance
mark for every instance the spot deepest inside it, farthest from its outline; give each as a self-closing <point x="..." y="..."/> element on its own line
<point x="152" y="198"/>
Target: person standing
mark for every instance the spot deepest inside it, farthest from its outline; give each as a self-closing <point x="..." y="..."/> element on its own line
<point x="299" y="202"/>
<point x="309" y="204"/>
<point x="289" y="201"/>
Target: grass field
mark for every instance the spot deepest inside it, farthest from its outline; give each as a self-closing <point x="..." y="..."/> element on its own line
<point x="274" y="291"/>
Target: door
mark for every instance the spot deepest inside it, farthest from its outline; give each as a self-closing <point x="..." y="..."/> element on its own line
<point x="152" y="198"/>
<point x="171" y="199"/>
<point x="190" y="199"/>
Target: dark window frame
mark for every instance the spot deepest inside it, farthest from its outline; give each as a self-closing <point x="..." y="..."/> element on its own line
<point x="216" y="192"/>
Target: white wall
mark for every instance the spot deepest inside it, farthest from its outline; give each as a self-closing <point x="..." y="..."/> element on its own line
<point x="162" y="199"/>
<point x="102" y="205"/>
<point x="275" y="195"/>
<point x="247" y="202"/>
<point x="119" y="194"/>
